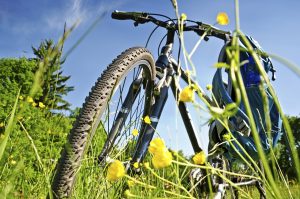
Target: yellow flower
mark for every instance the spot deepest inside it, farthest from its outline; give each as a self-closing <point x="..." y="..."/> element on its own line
<point x="13" y="162"/>
<point x="1" y="124"/>
<point x="209" y="87"/>
<point x="136" y="165"/>
<point x="135" y="132"/>
<point x="115" y="171"/>
<point x="29" y="99"/>
<point x="226" y="137"/>
<point x="162" y="159"/>
<point x="187" y="94"/>
<point x="21" y="97"/>
<point x="34" y="104"/>
<point x="222" y="18"/>
<point x="130" y="183"/>
<point x="199" y="158"/>
<point x="147" y="120"/>
<point x="147" y="165"/>
<point x="41" y="105"/>
<point x="183" y="17"/>
<point x="156" y="146"/>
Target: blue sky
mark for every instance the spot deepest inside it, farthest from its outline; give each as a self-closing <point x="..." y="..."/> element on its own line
<point x="273" y="23"/>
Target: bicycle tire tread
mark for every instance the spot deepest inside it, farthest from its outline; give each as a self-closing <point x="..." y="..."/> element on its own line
<point x="96" y="100"/>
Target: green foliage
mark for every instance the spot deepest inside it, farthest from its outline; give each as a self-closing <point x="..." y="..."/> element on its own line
<point x="15" y="74"/>
<point x="38" y="130"/>
<point x="19" y="72"/>
<point x="36" y="135"/>
<point x="285" y="156"/>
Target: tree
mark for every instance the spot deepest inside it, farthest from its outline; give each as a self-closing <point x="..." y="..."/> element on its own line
<point x="54" y="86"/>
<point x="284" y="160"/>
<point x="15" y="74"/>
<point x="17" y="71"/>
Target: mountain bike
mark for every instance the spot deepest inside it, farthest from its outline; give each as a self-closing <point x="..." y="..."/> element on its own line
<point x="132" y="87"/>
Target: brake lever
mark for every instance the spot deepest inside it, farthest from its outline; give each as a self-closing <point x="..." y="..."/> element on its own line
<point x="142" y="20"/>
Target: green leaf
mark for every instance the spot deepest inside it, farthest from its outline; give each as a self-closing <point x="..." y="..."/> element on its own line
<point x="222" y="65"/>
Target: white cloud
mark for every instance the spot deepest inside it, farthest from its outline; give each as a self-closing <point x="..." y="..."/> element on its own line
<point x="72" y="13"/>
<point x="79" y="11"/>
<point x="52" y="19"/>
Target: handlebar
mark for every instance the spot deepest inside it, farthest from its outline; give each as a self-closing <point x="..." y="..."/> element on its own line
<point x="119" y="15"/>
<point x="200" y="28"/>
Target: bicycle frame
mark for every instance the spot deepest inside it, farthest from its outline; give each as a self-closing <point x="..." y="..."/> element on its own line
<point x="167" y="68"/>
<point x="163" y="63"/>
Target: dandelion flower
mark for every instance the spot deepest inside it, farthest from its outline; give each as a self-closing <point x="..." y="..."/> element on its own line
<point x="115" y="171"/>
<point x="187" y="94"/>
<point x="199" y="158"/>
<point x="162" y="160"/>
<point x="21" y="97"/>
<point x="222" y="18"/>
<point x="1" y="124"/>
<point x="29" y="99"/>
<point x="135" y="132"/>
<point x="34" y="104"/>
<point x="156" y="145"/>
<point x="147" y="120"/>
<point x="41" y="105"/>
<point x="136" y="165"/>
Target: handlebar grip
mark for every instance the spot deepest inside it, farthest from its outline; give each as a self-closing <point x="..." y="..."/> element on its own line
<point x="125" y="15"/>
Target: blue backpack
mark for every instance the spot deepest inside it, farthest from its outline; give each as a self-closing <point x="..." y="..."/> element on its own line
<point x="224" y="95"/>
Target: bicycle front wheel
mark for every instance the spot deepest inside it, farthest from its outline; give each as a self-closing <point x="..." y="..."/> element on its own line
<point x="102" y="131"/>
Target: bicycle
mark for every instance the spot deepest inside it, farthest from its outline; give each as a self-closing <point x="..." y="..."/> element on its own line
<point x="133" y="86"/>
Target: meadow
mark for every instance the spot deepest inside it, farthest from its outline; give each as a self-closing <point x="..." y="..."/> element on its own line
<point x="33" y="130"/>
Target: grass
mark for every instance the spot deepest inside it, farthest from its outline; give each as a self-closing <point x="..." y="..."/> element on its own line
<point x="28" y="160"/>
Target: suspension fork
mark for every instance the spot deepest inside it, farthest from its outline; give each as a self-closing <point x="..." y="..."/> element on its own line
<point x="114" y="132"/>
<point x="148" y="130"/>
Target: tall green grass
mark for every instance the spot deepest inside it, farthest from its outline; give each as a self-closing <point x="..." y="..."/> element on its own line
<point x="33" y="179"/>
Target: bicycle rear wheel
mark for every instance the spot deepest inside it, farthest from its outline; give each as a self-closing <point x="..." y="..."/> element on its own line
<point x="114" y="107"/>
